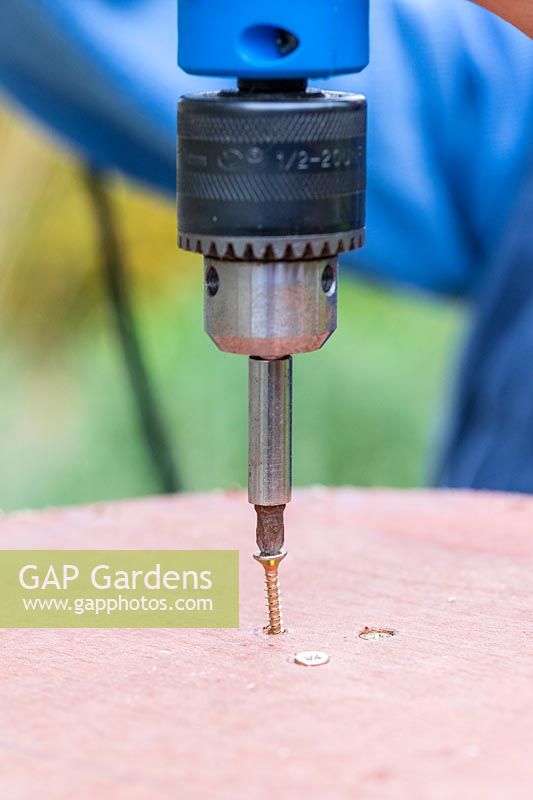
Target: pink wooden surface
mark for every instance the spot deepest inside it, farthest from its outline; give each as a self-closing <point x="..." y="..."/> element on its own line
<point x="442" y="710"/>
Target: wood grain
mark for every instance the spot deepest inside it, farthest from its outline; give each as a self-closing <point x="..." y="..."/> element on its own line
<point x="442" y="710"/>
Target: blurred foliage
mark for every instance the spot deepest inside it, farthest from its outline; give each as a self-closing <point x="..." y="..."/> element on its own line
<point x="366" y="407"/>
<point x="48" y="239"/>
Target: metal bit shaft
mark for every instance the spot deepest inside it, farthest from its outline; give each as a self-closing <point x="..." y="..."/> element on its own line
<point x="270" y="412"/>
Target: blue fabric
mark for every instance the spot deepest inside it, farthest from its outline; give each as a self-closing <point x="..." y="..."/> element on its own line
<point x="450" y="168"/>
<point x="490" y="441"/>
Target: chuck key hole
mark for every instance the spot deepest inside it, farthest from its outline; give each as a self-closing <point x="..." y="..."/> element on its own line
<point x="212" y="281"/>
<point x="328" y="280"/>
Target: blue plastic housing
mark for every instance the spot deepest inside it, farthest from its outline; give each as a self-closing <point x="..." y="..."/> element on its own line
<point x="272" y="38"/>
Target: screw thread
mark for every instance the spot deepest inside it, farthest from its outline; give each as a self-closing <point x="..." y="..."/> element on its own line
<point x="273" y="596"/>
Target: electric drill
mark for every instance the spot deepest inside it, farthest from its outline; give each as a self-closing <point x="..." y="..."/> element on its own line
<point x="271" y="190"/>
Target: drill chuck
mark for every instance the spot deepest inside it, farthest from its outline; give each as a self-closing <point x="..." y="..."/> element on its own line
<point x="271" y="189"/>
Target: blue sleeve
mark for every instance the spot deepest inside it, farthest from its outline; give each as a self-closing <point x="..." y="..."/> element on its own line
<point x="450" y="94"/>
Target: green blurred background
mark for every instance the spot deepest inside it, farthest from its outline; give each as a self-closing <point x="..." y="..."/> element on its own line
<point x="368" y="407"/>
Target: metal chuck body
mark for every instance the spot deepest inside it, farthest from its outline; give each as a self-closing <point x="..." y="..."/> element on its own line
<point x="271" y="189"/>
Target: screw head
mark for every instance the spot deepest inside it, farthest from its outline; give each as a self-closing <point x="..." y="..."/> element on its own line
<point x="374" y="634"/>
<point x="270" y="562"/>
<point x="311" y="658"/>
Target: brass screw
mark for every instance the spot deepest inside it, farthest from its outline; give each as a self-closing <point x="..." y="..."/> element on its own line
<point x="270" y="565"/>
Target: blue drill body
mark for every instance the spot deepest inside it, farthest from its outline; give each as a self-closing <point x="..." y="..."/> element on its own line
<point x="276" y="39"/>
